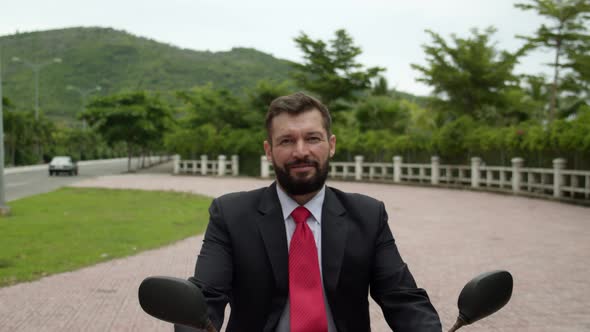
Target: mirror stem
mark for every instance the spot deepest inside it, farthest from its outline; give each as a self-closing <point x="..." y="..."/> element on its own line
<point x="210" y="327"/>
<point x="458" y="324"/>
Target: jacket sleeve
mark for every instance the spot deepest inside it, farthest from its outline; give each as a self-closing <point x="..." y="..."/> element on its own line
<point x="406" y="307"/>
<point x="214" y="267"/>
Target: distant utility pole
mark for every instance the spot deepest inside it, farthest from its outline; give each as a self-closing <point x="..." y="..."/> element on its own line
<point x="84" y="95"/>
<point x="4" y="209"/>
<point x="36" y="68"/>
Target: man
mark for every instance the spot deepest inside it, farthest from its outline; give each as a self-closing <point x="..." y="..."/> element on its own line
<point x="300" y="256"/>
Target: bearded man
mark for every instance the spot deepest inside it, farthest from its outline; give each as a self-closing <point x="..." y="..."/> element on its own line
<point x="300" y="256"/>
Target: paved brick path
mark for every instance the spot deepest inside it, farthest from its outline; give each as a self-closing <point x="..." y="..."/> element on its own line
<point x="446" y="237"/>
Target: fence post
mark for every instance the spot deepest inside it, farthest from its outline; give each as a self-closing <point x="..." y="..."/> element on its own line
<point x="176" y="163"/>
<point x="221" y="165"/>
<point x="516" y="176"/>
<point x="358" y="167"/>
<point x="558" y="165"/>
<point x="203" y="164"/>
<point x="434" y="172"/>
<point x="235" y="165"/>
<point x="264" y="171"/>
<point x="397" y="169"/>
<point x="475" y="173"/>
<point x="489" y="178"/>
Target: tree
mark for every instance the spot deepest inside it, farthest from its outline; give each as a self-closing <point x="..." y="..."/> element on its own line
<point x="331" y="70"/>
<point x="81" y="144"/>
<point x="26" y="138"/>
<point x="6" y="102"/>
<point x="260" y="97"/>
<point x="579" y="78"/>
<point x="380" y="88"/>
<point x="217" y="107"/>
<point x="17" y="135"/>
<point x="471" y="77"/>
<point x="450" y="139"/>
<point x="569" y="20"/>
<point x="381" y="112"/>
<point x="135" y="118"/>
<point x="214" y="121"/>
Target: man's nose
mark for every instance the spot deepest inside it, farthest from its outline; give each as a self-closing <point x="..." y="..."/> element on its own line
<point x="301" y="149"/>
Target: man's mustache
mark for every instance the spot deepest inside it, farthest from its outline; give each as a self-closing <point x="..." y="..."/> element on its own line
<point x="301" y="162"/>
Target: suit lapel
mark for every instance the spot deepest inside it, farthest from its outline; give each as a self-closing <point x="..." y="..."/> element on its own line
<point x="334" y="231"/>
<point x="273" y="232"/>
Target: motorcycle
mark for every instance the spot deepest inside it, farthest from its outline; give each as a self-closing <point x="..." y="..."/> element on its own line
<point x="181" y="302"/>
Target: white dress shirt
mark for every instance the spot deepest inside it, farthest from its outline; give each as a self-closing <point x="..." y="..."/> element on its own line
<point x="314" y="222"/>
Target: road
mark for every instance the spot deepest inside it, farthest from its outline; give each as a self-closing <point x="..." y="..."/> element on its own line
<point x="27" y="183"/>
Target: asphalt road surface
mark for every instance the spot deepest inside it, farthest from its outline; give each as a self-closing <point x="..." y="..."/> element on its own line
<point x="32" y="182"/>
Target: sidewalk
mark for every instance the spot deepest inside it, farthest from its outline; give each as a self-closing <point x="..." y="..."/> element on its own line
<point x="446" y="237"/>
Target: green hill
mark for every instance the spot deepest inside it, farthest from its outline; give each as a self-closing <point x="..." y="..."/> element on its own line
<point x="118" y="61"/>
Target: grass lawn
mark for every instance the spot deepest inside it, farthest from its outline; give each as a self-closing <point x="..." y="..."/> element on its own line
<point x="75" y="227"/>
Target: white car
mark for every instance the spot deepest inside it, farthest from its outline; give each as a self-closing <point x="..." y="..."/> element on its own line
<point x="63" y="164"/>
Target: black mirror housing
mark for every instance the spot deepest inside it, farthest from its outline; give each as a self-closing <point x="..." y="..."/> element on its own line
<point x="484" y="295"/>
<point x="174" y="300"/>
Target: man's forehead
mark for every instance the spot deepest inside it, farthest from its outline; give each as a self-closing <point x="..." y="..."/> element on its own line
<point x="308" y="121"/>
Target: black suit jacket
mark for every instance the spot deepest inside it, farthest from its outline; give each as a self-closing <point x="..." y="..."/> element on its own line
<point x="244" y="262"/>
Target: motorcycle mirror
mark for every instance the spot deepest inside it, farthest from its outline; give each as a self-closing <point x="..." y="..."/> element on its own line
<point x="174" y="300"/>
<point x="482" y="296"/>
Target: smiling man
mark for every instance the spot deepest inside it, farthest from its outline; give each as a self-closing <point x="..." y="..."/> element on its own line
<point x="300" y="256"/>
<point x="299" y="145"/>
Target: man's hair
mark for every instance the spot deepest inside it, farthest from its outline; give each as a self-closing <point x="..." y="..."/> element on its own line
<point x="296" y="104"/>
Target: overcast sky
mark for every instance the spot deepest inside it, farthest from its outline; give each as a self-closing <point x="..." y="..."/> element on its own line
<point x="390" y="32"/>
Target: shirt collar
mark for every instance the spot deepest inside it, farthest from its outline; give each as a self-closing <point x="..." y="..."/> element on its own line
<point x="314" y="205"/>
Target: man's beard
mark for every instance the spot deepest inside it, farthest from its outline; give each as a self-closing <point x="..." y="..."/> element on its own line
<point x="294" y="186"/>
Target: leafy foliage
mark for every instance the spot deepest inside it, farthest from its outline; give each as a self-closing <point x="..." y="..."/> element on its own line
<point x="214" y="121"/>
<point x="480" y="107"/>
<point x="26" y="137"/>
<point x="331" y="70"/>
<point x="566" y="36"/>
<point x="470" y="77"/>
<point x="136" y="119"/>
<point x="260" y="97"/>
<point x="381" y="112"/>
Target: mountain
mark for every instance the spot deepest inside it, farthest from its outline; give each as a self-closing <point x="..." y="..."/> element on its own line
<point x="118" y="61"/>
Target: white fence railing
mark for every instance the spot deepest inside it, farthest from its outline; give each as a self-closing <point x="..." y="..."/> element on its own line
<point x="220" y="166"/>
<point x="554" y="182"/>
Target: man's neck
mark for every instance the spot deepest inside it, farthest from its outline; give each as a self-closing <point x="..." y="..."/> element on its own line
<point x="300" y="199"/>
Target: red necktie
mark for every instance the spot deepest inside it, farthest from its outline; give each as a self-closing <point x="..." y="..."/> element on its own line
<point x="307" y="310"/>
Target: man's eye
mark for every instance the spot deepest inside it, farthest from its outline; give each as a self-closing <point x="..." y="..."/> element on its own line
<point x="313" y="139"/>
<point x="285" y="141"/>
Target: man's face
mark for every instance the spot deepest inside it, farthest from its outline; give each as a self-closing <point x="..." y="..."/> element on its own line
<point x="300" y="151"/>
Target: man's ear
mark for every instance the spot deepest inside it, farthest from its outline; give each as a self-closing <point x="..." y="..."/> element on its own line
<point x="268" y="150"/>
<point x="332" y="142"/>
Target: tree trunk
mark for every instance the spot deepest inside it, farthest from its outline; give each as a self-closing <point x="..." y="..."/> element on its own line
<point x="553" y="101"/>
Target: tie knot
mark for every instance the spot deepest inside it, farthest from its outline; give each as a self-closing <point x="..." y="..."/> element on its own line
<point x="300" y="214"/>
